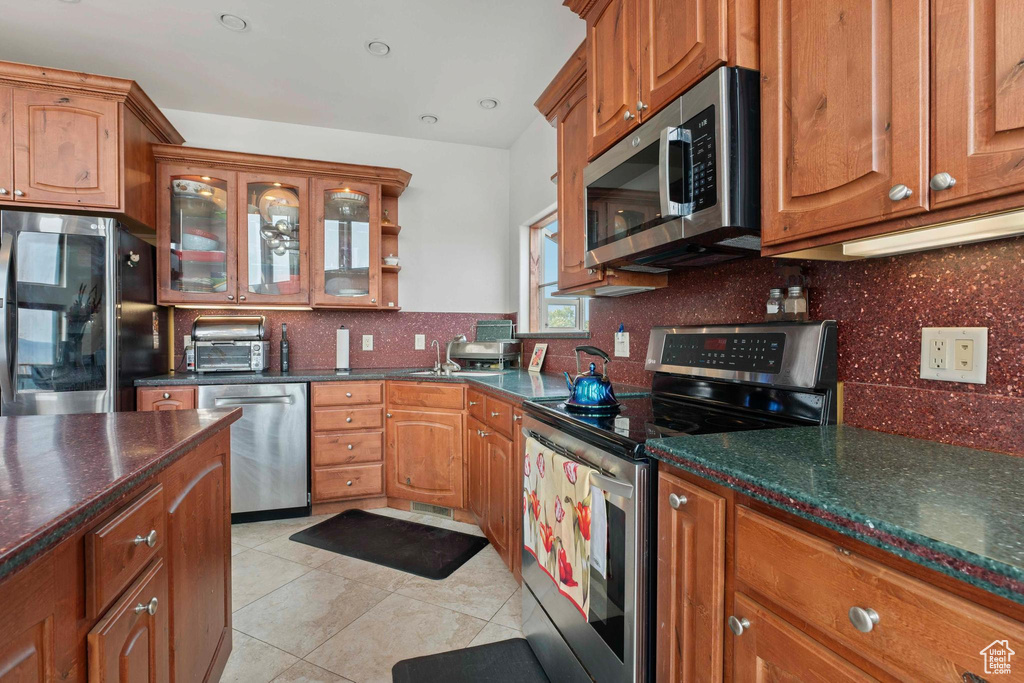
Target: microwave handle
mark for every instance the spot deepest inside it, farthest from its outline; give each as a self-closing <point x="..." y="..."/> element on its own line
<point x="669" y="135"/>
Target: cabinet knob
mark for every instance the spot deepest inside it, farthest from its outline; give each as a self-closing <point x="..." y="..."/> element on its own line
<point x="676" y="501"/>
<point x="147" y="607"/>
<point x="149" y="539"/>
<point x="348" y="419"/>
<point x="640" y="106"/>
<point x="350" y="446"/>
<point x="517" y="418"/>
<point x="373" y="301"/>
<point x="19" y="193"/>
<point x="166" y="395"/>
<point x="3" y="190"/>
<point x="348" y="394"/>
<point x="939" y="182"/>
<point x="389" y="414"/>
<point x="242" y="298"/>
<point x="472" y="403"/>
<point x="231" y="297"/>
<point x="483" y="433"/>
<point x="738" y="626"/>
<point x="628" y="116"/>
<point x="348" y="483"/>
<point x="899" y="192"/>
<point x="863" y="618"/>
<point x="495" y="414"/>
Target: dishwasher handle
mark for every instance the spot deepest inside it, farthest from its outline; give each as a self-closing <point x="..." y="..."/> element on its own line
<point x="252" y="400"/>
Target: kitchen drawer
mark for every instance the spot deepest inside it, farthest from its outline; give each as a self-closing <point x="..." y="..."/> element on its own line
<point x="352" y="481"/>
<point x="347" y="393"/>
<point x="117" y="550"/>
<point x="476" y="401"/>
<point x="165" y="398"/>
<point x="442" y="395"/>
<point x="499" y="416"/>
<point x="347" y="448"/>
<point x="333" y="419"/>
<point x="922" y="632"/>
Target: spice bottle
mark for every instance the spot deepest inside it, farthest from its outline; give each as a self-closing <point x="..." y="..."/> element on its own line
<point x="795" y="306"/>
<point x="775" y="304"/>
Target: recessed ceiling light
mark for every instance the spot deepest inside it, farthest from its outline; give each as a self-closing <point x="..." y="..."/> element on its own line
<point x="488" y="103"/>
<point x="428" y="118"/>
<point x="233" y="22"/>
<point x="378" y="48"/>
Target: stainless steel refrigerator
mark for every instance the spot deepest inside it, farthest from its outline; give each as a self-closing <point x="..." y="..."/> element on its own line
<point x="80" y="321"/>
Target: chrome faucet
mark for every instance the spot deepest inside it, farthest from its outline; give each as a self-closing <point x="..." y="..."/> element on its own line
<point x="437" y="365"/>
<point x="449" y="365"/>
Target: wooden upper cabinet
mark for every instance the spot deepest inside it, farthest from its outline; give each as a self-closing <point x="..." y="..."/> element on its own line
<point x="771" y="649"/>
<point x="691" y="581"/>
<point x="844" y="105"/>
<point x="65" y="149"/>
<point x="346" y="257"/>
<point x="273" y="238"/>
<point x="6" y="143"/>
<point x="196" y="235"/>
<point x="573" y="139"/>
<point x="680" y="42"/>
<point x="613" y="80"/>
<point x="978" y="95"/>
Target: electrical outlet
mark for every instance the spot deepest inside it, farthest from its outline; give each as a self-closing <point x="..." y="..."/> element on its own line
<point x="421" y="342"/>
<point x="367" y="342"/>
<point x="955" y="354"/>
<point x="622" y="344"/>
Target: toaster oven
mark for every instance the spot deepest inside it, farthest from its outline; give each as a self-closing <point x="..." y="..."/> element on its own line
<point x="230" y="343"/>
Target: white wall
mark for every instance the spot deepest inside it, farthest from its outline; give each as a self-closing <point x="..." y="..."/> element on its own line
<point x="532" y="161"/>
<point x="454" y="214"/>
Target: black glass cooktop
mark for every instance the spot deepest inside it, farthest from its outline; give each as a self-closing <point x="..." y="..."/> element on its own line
<point x="650" y="417"/>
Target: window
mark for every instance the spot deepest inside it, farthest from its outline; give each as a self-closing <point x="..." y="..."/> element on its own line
<point x="548" y="312"/>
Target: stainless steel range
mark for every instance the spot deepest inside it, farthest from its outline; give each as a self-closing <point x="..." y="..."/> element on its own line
<point x="713" y="379"/>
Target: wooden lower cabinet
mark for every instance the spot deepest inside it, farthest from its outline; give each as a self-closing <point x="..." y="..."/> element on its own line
<point x="476" y="491"/>
<point x="46" y="632"/>
<point x="165" y="398"/>
<point x="498" y="457"/>
<point x="769" y="649"/>
<point x="130" y="644"/>
<point x="424" y="456"/>
<point x="691" y="581"/>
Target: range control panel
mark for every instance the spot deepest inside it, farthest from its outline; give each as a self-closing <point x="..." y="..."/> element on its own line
<point x="761" y="352"/>
<point x="703" y="190"/>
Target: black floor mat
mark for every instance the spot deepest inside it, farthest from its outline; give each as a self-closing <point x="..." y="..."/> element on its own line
<point x="421" y="549"/>
<point x="508" y="661"/>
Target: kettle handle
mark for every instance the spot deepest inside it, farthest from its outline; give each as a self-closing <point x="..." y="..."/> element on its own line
<point x="593" y="351"/>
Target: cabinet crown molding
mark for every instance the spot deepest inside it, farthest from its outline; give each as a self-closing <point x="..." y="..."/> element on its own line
<point x="393" y="181"/>
<point x="580" y="7"/>
<point x="567" y="78"/>
<point x="78" y="82"/>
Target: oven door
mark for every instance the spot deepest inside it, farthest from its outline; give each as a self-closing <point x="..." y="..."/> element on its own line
<point x="609" y="644"/>
<point x="223" y="356"/>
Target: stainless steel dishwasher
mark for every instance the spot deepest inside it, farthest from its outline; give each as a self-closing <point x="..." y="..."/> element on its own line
<point x="269" y="461"/>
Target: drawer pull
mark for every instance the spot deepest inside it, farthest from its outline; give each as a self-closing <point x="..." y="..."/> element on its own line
<point x="350" y="446"/>
<point x="676" y="501"/>
<point x="389" y="414"/>
<point x="899" y="192"/>
<point x="863" y="619"/>
<point x="495" y="414"/>
<point x="472" y="403"/>
<point x="166" y="395"/>
<point x="738" y="626"/>
<point x="348" y="394"/>
<point x="149" y="539"/>
<point x="147" y="607"/>
<point x="517" y="418"/>
<point x="939" y="182"/>
<point x="348" y="483"/>
<point x="484" y="434"/>
<point x="348" y="419"/>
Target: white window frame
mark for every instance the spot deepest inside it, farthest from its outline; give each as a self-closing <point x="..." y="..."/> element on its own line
<point x="539" y="307"/>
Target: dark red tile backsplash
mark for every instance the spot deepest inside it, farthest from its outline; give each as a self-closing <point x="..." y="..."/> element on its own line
<point x="881" y="306"/>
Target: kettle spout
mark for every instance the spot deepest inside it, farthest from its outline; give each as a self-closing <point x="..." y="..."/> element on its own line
<point x="568" y="381"/>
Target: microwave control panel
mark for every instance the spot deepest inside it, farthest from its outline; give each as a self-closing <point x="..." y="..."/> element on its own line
<point x="703" y="175"/>
<point x="760" y="353"/>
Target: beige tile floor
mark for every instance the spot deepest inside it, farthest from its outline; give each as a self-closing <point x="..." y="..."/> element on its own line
<point x="304" y="614"/>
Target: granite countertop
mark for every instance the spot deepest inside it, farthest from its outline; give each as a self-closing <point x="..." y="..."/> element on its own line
<point x="957" y="510"/>
<point x="58" y="471"/>
<point x="518" y="385"/>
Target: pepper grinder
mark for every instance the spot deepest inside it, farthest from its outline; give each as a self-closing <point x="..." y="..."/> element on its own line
<point x="284" y="347"/>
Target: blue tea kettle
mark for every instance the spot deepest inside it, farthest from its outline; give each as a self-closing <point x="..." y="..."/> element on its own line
<point x="591" y="393"/>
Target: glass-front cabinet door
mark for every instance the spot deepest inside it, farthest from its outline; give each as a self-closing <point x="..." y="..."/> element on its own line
<point x="273" y="239"/>
<point x="196" y="235"/>
<point x="346" y="252"/>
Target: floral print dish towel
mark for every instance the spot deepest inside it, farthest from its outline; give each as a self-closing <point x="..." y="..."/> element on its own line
<point x="556" y="520"/>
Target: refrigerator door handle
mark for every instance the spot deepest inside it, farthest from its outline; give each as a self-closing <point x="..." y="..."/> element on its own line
<point x="6" y="381"/>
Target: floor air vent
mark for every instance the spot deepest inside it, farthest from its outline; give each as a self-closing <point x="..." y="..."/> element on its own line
<point x="429" y="509"/>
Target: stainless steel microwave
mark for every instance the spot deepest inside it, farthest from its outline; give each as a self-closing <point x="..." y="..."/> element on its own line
<point x="684" y="188"/>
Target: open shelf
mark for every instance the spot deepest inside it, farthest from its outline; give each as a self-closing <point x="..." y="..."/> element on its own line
<point x="390" y="269"/>
<point x="389" y="229"/>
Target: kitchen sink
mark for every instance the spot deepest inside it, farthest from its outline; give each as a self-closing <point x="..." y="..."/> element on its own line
<point x="459" y="373"/>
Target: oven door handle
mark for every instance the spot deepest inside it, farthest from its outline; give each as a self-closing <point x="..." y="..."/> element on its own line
<point x="610" y="484"/>
<point x="668" y="136"/>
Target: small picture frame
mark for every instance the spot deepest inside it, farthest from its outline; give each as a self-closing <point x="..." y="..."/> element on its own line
<point x="537" y="359"/>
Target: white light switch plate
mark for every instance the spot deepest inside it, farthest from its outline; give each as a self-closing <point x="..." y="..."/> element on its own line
<point x="955" y="354"/>
<point x="367" y="342"/>
<point x="622" y="344"/>
<point x="421" y="342"/>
